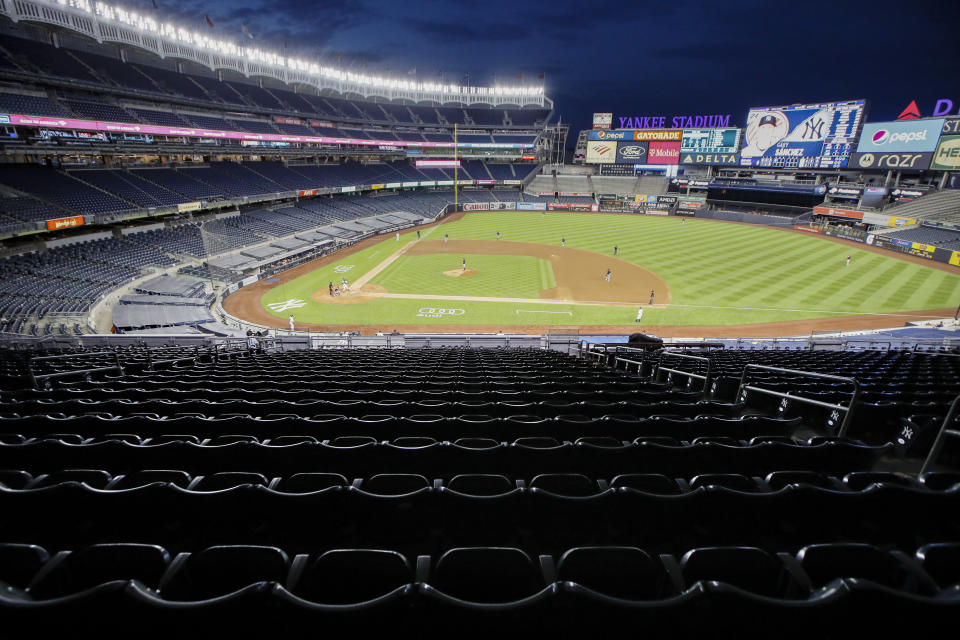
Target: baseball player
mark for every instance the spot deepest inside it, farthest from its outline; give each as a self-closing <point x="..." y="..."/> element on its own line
<point x="498" y="235"/>
<point x="563" y="242"/>
<point x="446" y="237"/>
<point x="651" y="296"/>
<point x="398" y="236"/>
<point x="848" y="261"/>
<point x="607" y="277"/>
<point x="615" y="248"/>
<point x="639" y="314"/>
<point x="291" y="322"/>
<point x="464" y="263"/>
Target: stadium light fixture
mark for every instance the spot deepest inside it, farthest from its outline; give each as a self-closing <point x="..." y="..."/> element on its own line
<point x="176" y="33"/>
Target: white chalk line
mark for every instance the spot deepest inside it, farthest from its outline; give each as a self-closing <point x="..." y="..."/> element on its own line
<point x="519" y="311"/>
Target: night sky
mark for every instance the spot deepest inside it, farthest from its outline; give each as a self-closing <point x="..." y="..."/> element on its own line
<point x="634" y="58"/>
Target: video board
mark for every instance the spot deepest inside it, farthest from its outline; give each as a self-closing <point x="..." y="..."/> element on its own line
<point x="710" y="141"/>
<point x="804" y="136"/>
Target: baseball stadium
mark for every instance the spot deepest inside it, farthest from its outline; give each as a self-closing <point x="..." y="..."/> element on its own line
<point x="293" y="347"/>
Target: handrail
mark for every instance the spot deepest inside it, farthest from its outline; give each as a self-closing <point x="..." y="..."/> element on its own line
<point x="848" y="410"/>
<point x="63" y="374"/>
<point x="941" y="436"/>
<point x="696" y="376"/>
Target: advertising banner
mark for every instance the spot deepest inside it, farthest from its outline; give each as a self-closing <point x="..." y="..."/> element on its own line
<point x="600" y="151"/>
<point x="428" y="183"/>
<point x="189" y="132"/>
<point x="632" y="152"/>
<point x="282" y="120"/>
<point x="900" y="136"/>
<point x="513" y="182"/>
<point x="602" y="120"/>
<point x="716" y="159"/>
<point x="687" y="203"/>
<point x="903" y="161"/>
<point x="352" y="189"/>
<point x="661" y="135"/>
<point x="802" y="136"/>
<point x="875" y="218"/>
<point x="617" y="170"/>
<point x="438" y="164"/>
<point x="503" y="206"/>
<point x="575" y="193"/>
<point x="571" y="206"/>
<point x="955" y="258"/>
<point x="64" y="223"/>
<point x="410" y="184"/>
<point x="947" y="155"/>
<point x="188" y="206"/>
<point x="394" y="185"/>
<point x="664" y="152"/>
<point x="375" y="187"/>
<point x="476" y="206"/>
<point x="619" y="134"/>
<point x="308" y="192"/>
<point x="531" y="206"/>
<point x="710" y="141"/>
<point x="488" y="182"/>
<point x="800" y="227"/>
<point x="842" y="213"/>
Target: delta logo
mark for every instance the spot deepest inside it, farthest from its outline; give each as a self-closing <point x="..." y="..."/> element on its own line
<point x="943" y="107"/>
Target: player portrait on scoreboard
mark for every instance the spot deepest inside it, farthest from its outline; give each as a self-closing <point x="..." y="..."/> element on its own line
<point x="764" y="129"/>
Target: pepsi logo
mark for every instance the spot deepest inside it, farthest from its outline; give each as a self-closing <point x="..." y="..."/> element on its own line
<point x="880" y="136"/>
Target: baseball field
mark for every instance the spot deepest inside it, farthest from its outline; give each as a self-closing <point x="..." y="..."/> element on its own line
<point x="548" y="272"/>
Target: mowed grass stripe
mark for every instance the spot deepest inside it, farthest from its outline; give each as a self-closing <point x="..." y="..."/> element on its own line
<point x="704" y="263"/>
<point x="908" y="288"/>
<point x="945" y="290"/>
<point x="761" y="268"/>
<point x="837" y="294"/>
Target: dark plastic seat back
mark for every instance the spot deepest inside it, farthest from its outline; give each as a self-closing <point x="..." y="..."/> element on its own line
<point x="621" y="572"/>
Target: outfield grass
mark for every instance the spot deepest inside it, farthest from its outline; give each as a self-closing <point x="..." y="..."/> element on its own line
<point x="748" y="274"/>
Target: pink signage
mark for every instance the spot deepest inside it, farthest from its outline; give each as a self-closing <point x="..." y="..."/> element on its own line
<point x="120" y="127"/>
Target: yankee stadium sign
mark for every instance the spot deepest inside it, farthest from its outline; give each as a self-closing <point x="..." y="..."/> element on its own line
<point x="676" y="122"/>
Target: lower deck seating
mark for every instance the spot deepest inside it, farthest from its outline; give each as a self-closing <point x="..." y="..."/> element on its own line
<point x="464" y="491"/>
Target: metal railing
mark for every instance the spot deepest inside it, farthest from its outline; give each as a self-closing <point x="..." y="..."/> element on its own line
<point x="848" y="410"/>
<point x="35" y="379"/>
<point x="942" y="436"/>
<point x="688" y="374"/>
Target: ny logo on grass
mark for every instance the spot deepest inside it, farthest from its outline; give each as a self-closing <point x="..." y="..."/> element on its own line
<point x="343" y="268"/>
<point x="287" y="304"/>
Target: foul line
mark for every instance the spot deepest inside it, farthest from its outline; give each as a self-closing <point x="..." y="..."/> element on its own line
<point x="420" y="296"/>
<point x="519" y="311"/>
<point x="369" y="275"/>
<point x="842" y="313"/>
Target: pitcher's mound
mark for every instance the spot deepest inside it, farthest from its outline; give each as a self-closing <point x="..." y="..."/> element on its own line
<point x="456" y="273"/>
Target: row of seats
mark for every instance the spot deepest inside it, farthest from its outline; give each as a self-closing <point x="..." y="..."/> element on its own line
<point x="565" y="484"/>
<point x="473" y="574"/>
<point x="446" y="459"/>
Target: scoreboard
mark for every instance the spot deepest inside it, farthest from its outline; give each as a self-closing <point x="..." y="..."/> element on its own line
<point x="710" y="141"/>
<point x="802" y="136"/>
